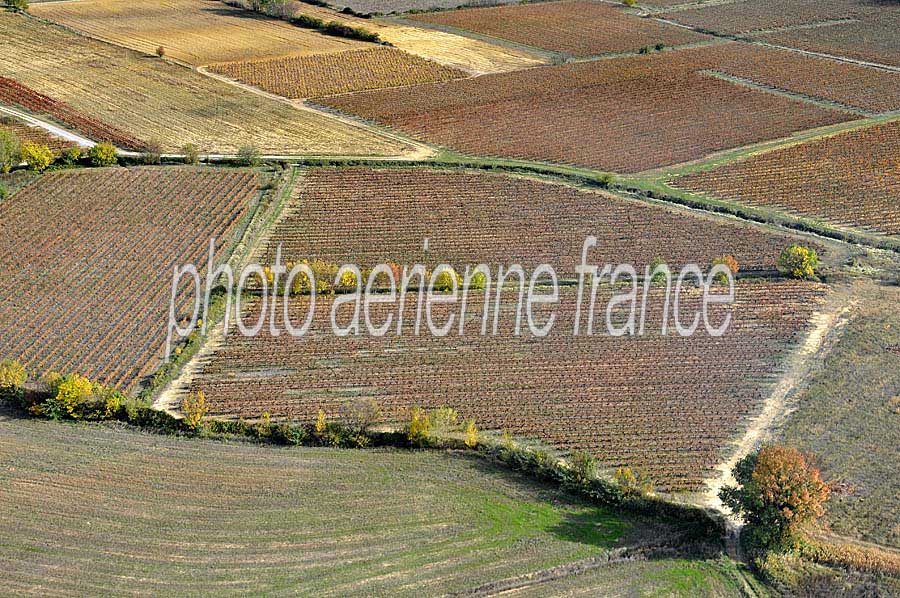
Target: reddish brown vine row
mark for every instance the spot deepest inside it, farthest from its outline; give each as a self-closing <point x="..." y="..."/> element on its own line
<point x="368" y="216"/>
<point x="88" y="258"/>
<point x="13" y="92"/>
<point x="851" y="179"/>
<point x="665" y="404"/>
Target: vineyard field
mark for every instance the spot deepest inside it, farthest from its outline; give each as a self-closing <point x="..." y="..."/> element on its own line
<point x="195" y="32"/>
<point x="24" y="132"/>
<point x="744" y="17"/>
<point x="872" y="40"/>
<point x="470" y="217"/>
<point x="573" y="27"/>
<point x="156" y="100"/>
<point x="850" y="179"/>
<point x="344" y="72"/>
<point x="89" y="256"/>
<point x="652" y="402"/>
<point x="234" y="519"/>
<point x="627" y="114"/>
<point x="849" y="84"/>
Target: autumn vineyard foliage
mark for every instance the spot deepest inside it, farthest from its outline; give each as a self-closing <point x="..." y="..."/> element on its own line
<point x="13" y="92"/>
<point x="652" y="403"/>
<point x="577" y="28"/>
<point x="474" y="217"/>
<point x="850" y="179"/>
<point x="626" y="114"/>
<point x="33" y="134"/>
<point x="336" y="73"/>
<point x="96" y="297"/>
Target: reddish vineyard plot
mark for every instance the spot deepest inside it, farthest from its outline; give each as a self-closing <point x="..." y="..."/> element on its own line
<point x="88" y="259"/>
<point x="851" y="179"/>
<point x="627" y="114"/>
<point x="665" y="404"/>
<point x="848" y="84"/>
<point x="742" y="17"/>
<point x="34" y="134"/>
<point x="13" y="92"/>
<point x="341" y="72"/>
<point x="367" y="217"/>
<point x="872" y="40"/>
<point x="577" y="28"/>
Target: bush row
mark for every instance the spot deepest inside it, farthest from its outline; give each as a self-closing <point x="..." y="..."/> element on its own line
<point x="74" y="397"/>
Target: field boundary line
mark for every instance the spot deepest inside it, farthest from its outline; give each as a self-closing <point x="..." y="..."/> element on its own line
<point x="800" y="97"/>
<point x="811" y="350"/>
<point x="257" y="233"/>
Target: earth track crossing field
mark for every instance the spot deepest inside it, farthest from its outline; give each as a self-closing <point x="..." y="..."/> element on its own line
<point x="331" y="74"/>
<point x="666" y="405"/>
<point x="872" y="40"/>
<point x="154" y="99"/>
<point x="370" y="216"/>
<point x="90" y="257"/>
<point x="195" y="31"/>
<point x="850" y="179"/>
<point x="572" y="27"/>
<point x="194" y="516"/>
<point x="626" y="114"/>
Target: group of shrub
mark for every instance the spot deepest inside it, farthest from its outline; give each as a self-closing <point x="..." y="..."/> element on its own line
<point x="281" y="9"/>
<point x="39" y="157"/>
<point x="328" y="282"/>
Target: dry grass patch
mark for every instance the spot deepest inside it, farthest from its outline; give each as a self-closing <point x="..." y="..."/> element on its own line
<point x="331" y="74"/>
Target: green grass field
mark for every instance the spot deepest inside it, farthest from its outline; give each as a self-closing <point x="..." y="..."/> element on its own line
<point x="849" y="416"/>
<point x="99" y="510"/>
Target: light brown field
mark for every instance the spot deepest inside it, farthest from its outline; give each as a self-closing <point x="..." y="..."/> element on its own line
<point x="154" y="99"/>
<point x="195" y="31"/>
<point x="471" y="55"/>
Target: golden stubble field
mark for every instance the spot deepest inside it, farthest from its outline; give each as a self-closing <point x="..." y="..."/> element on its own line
<point x="155" y="99"/>
<point x="194" y="31"/>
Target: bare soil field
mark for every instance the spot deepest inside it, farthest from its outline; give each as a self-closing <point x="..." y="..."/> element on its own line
<point x="650" y="402"/>
<point x="626" y="114"/>
<point x="470" y="217"/>
<point x="90" y="257"/>
<point x="574" y="27"/>
<point x="195" y="31"/>
<point x="331" y="74"/>
<point x="154" y="99"/>
<point x="399" y="6"/>
<point x="850" y="179"/>
<point x="141" y="514"/>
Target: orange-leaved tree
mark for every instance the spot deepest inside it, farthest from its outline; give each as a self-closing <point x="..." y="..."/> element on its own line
<point x="778" y="492"/>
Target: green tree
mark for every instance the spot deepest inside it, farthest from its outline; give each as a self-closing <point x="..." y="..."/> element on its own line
<point x="12" y="380"/>
<point x="10" y="150"/>
<point x="248" y="155"/>
<point x="103" y="154"/>
<point x="37" y="156"/>
<point x="778" y="492"/>
<point x="798" y="261"/>
<point x="191" y="154"/>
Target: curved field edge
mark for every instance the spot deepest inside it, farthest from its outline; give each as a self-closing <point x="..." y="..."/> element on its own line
<point x="160" y="513"/>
